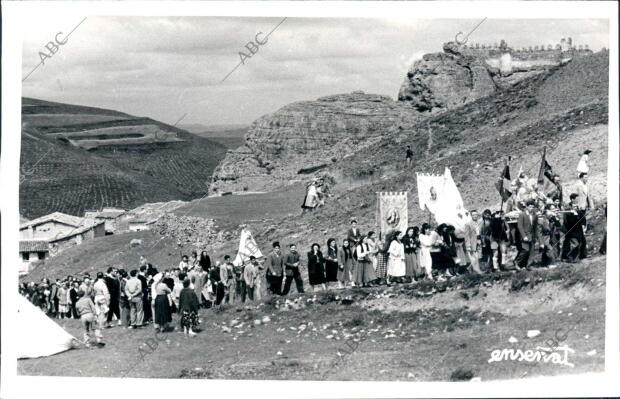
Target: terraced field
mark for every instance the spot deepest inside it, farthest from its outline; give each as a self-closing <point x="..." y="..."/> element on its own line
<point x="75" y="158"/>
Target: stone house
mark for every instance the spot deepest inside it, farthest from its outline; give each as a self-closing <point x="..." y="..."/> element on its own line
<point x="32" y="251"/>
<point x="110" y="216"/>
<point x="76" y="237"/>
<point x="49" y="226"/>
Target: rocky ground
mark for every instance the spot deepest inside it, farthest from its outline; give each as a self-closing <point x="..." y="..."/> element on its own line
<point x="410" y="332"/>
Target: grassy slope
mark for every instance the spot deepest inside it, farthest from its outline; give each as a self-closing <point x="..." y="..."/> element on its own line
<point x="433" y="334"/>
<point x="60" y="177"/>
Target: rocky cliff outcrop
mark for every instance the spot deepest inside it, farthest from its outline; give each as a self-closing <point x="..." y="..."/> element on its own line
<point x="305" y="137"/>
<point x="461" y="74"/>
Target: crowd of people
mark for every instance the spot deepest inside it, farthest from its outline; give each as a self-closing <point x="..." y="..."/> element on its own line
<point x="532" y="228"/>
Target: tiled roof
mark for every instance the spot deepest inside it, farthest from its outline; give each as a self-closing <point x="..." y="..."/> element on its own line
<point x="75" y="232"/>
<point x="33" y="246"/>
<point x="56" y="216"/>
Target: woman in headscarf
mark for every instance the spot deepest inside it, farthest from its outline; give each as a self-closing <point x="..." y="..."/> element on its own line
<point x="410" y="254"/>
<point x="331" y="263"/>
<point x="396" y="259"/>
<point x="316" y="267"/>
<point x="345" y="263"/>
<point x="364" y="272"/>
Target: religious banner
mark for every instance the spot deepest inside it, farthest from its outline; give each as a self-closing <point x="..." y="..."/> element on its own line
<point x="439" y="194"/>
<point x="392" y="213"/>
<point x="247" y="248"/>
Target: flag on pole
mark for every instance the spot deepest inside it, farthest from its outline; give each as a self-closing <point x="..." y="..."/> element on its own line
<point x="503" y="184"/>
<point x="247" y="248"/>
<point x="545" y="169"/>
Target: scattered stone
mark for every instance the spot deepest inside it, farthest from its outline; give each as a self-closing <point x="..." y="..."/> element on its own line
<point x="226" y="329"/>
<point x="410" y="375"/>
<point x="592" y="352"/>
<point x="279" y="353"/>
<point x="135" y="242"/>
<point x="266" y="319"/>
<point x="513" y="340"/>
<point x="257" y="322"/>
<point x="533" y="333"/>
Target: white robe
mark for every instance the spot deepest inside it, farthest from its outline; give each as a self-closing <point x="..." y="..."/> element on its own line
<point x="425" y="253"/>
<point x="396" y="260"/>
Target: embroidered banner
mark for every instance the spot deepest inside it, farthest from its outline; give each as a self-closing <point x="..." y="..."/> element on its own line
<point x="392" y="213"/>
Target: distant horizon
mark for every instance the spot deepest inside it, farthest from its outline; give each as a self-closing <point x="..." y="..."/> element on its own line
<point x="167" y="68"/>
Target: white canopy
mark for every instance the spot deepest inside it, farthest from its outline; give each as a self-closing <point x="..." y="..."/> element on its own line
<point x="38" y="334"/>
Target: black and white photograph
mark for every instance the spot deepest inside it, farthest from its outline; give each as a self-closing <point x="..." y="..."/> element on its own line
<point x="341" y="197"/>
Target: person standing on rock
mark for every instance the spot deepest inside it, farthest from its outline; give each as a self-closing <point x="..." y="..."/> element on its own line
<point x="311" y="197"/>
<point x="291" y="270"/>
<point x="274" y="263"/>
<point x="582" y="166"/>
<point x="316" y="267"/>
<point x="409" y="156"/>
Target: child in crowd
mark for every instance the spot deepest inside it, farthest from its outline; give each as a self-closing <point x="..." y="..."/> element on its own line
<point x="188" y="309"/>
<point x="88" y="313"/>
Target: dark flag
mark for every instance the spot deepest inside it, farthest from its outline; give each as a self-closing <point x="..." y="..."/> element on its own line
<point x="503" y="184"/>
<point x="545" y="170"/>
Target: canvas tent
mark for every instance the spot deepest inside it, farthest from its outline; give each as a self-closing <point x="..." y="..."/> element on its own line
<point x="38" y="334"/>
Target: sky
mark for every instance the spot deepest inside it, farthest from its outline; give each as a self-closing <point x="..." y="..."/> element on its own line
<point x="169" y="68"/>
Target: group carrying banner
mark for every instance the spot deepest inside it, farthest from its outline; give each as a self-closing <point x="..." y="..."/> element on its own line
<point x="439" y="194"/>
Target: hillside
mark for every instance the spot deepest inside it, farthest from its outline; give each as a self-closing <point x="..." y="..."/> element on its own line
<point x="424" y="331"/>
<point x="564" y="108"/>
<point x="75" y="158"/>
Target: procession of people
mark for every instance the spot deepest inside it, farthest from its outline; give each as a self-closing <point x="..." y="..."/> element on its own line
<point x="532" y="228"/>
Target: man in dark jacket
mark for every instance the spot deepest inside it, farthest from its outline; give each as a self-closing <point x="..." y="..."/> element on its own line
<point x="146" y="297"/>
<point x="573" y="224"/>
<point x="291" y="269"/>
<point x="114" y="288"/>
<point x="526" y="228"/>
<point x="354" y="235"/>
<point x="274" y="263"/>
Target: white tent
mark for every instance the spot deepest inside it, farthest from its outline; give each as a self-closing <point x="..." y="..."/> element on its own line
<point x="38" y="334"/>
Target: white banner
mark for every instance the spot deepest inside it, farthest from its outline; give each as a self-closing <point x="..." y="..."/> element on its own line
<point x="439" y="194"/>
<point x="247" y="248"/>
<point x="392" y="212"/>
